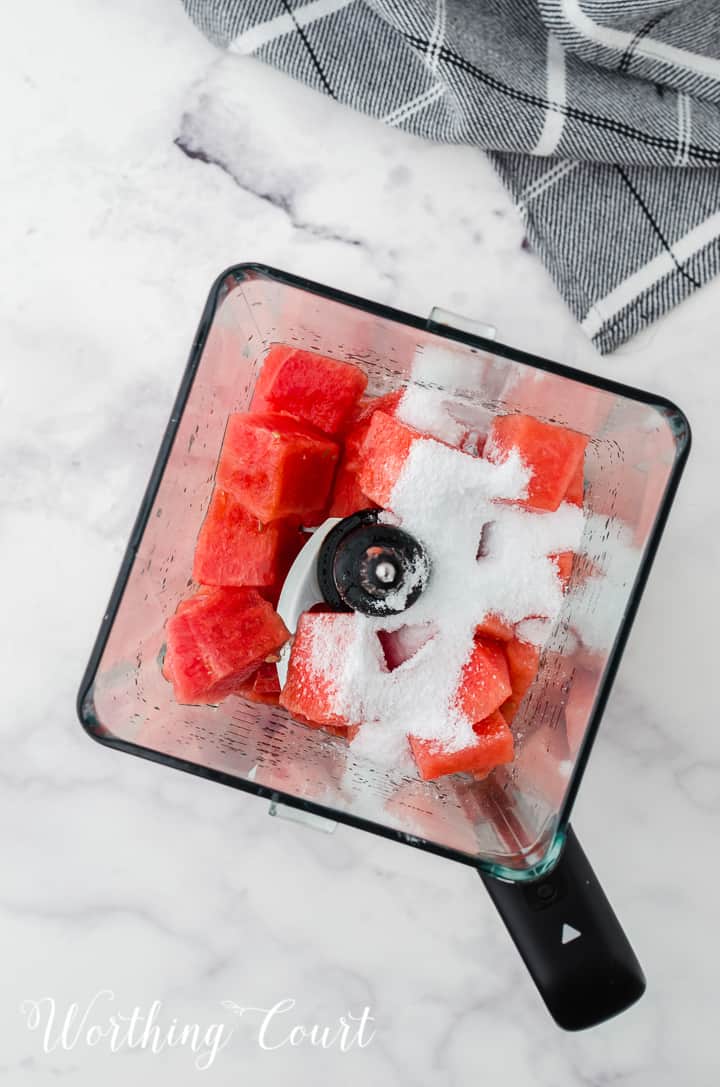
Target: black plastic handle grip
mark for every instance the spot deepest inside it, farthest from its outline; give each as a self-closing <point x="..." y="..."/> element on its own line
<point x="571" y="941"/>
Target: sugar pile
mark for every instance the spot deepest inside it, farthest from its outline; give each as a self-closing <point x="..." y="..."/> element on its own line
<point x="426" y="410"/>
<point x="415" y="575"/>
<point x="448" y="418"/>
<point x="444" y="498"/>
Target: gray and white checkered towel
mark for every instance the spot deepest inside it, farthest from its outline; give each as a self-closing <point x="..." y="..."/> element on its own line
<point x="602" y="117"/>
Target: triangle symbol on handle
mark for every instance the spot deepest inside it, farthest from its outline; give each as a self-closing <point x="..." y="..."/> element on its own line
<point x="569" y="934"/>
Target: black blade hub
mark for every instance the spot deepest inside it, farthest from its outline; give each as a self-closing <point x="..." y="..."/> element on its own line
<point x="368" y="566"/>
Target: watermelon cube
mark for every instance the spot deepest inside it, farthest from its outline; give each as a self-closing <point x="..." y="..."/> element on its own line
<point x="347" y="732"/>
<point x="552" y="452"/>
<point x="263" y="686"/>
<point x="367" y="407"/>
<point x="564" y="560"/>
<point x="353" y="443"/>
<point x="383" y="454"/>
<point x="235" y="548"/>
<point x="197" y="600"/>
<point x="319" y="390"/>
<point x="348" y="496"/>
<point x="216" y="642"/>
<point x="276" y="467"/>
<point x="493" y="626"/>
<point x="575" y="493"/>
<point x="523" y="659"/>
<point x="484" y="682"/>
<point x="493" y="747"/>
<point x="310" y="693"/>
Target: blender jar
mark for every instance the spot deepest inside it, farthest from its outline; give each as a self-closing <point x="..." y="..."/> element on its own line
<point x="512" y="824"/>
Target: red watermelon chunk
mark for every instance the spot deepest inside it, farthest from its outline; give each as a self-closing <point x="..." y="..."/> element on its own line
<point x="493" y="747"/>
<point x="493" y="626"/>
<point x="314" y="519"/>
<point x="309" y="693"/>
<point x="523" y="659"/>
<point x="263" y="686"/>
<point x="384" y="451"/>
<point x="319" y="390"/>
<point x="564" y="562"/>
<point x="364" y="412"/>
<point x="485" y="681"/>
<point x="359" y="424"/>
<point x="235" y="548"/>
<point x="276" y="467"/>
<point x="216" y="642"/>
<point x="192" y="603"/>
<point x="348" y="496"/>
<point x="552" y="452"/>
<point x="353" y="443"/>
<point x="348" y="732"/>
<point x="575" y="493"/>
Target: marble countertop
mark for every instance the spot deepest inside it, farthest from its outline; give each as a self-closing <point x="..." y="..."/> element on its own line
<point x="124" y="876"/>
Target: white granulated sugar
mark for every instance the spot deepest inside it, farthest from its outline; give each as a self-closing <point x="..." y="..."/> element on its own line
<point x="350" y="654"/>
<point x="383" y="746"/>
<point x="518" y="578"/>
<point x="443" y="498"/>
<point x="426" y="410"/>
<point x="435" y="477"/>
<point x="415" y="575"/>
<point x="456" y="420"/>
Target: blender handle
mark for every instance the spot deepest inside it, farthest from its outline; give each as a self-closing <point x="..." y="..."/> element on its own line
<point x="570" y="940"/>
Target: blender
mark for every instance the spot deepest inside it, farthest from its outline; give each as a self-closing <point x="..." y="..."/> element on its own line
<point x="512" y="827"/>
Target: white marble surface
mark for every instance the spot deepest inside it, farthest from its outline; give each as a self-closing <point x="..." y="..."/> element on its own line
<point x="122" y="875"/>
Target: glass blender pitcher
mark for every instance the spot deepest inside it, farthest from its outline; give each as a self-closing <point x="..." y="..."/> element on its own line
<point x="513" y="827"/>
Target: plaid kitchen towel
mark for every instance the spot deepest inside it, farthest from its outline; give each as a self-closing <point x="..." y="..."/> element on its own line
<point x="602" y="117"/>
